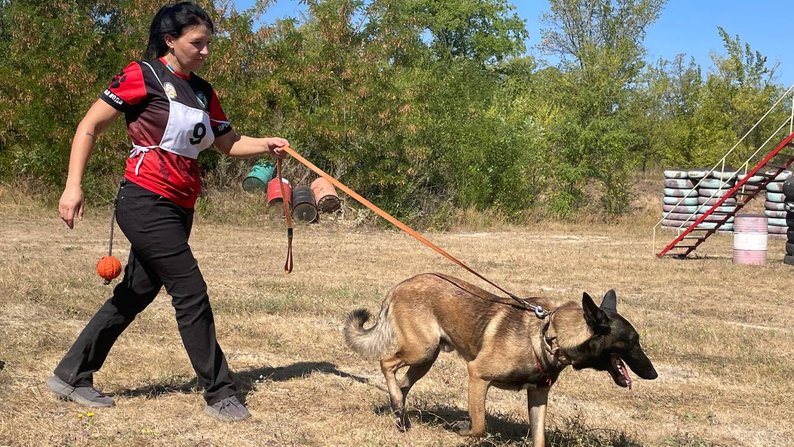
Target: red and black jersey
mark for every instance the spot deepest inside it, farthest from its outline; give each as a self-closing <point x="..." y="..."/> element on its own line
<point x="171" y="117"/>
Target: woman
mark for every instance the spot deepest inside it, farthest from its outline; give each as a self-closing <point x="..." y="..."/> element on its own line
<point x="171" y="116"/>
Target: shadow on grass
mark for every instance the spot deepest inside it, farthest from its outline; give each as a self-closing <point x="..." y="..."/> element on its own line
<point x="160" y="389"/>
<point x="504" y="432"/>
<point x="245" y="379"/>
<point x="294" y="371"/>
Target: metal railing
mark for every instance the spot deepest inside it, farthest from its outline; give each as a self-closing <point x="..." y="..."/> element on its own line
<point x="721" y="164"/>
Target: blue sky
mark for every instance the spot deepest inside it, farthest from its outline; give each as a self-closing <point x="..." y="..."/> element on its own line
<point x="685" y="26"/>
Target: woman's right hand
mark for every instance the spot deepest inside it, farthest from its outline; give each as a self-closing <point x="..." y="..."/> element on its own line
<point x="72" y="204"/>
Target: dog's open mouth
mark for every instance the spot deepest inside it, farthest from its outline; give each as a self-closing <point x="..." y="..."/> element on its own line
<point x="619" y="372"/>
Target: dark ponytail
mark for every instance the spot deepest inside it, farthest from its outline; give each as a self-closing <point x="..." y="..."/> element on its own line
<point x="173" y="19"/>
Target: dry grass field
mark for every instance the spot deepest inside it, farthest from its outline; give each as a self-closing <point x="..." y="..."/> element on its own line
<point x="719" y="334"/>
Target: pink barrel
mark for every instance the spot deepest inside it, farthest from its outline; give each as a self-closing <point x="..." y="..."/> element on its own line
<point x="325" y="194"/>
<point x="749" y="239"/>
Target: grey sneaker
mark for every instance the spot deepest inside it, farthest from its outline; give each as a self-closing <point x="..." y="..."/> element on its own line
<point x="228" y="409"/>
<point x="83" y="395"/>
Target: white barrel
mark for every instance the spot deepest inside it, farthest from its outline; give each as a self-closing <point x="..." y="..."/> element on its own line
<point x="749" y="239"/>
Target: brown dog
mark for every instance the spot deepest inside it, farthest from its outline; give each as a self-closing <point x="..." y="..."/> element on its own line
<point x="504" y="345"/>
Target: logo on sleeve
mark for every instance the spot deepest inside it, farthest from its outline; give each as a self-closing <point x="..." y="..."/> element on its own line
<point x="113" y="97"/>
<point x="117" y="80"/>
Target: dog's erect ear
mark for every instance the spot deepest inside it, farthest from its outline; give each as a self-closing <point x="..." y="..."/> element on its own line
<point x="610" y="302"/>
<point x="597" y="319"/>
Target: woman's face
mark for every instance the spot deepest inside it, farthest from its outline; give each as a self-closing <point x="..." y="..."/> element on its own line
<point x="189" y="51"/>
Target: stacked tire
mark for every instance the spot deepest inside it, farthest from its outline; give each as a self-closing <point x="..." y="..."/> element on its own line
<point x="752" y="184"/>
<point x="775" y="206"/>
<point x="680" y="200"/>
<point x="713" y="187"/>
<point x="788" y="193"/>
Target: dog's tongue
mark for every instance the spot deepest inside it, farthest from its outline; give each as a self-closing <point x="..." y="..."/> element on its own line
<point x="620" y="366"/>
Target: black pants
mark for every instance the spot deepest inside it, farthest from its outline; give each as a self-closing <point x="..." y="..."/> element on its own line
<point x="158" y="232"/>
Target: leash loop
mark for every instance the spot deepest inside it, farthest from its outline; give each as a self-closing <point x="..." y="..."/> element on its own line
<point x="537" y="309"/>
<point x="285" y="201"/>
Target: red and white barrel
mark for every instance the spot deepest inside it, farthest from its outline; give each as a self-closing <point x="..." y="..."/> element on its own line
<point x="749" y="239"/>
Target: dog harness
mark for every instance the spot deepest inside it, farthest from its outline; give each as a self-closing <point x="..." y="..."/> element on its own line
<point x="548" y="380"/>
<point x="550" y="341"/>
<point x="555" y="352"/>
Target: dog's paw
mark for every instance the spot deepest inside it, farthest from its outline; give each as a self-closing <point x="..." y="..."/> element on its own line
<point x="463" y="428"/>
<point x="402" y="422"/>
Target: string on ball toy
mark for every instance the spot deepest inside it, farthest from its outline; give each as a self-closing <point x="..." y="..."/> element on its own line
<point x="109" y="267"/>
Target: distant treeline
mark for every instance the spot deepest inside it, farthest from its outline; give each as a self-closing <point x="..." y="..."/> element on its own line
<point x="420" y="105"/>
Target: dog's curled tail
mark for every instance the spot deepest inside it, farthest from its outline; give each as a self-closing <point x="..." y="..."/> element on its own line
<point x="372" y="342"/>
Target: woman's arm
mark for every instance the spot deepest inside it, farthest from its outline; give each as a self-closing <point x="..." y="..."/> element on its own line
<point x="98" y="117"/>
<point x="241" y="146"/>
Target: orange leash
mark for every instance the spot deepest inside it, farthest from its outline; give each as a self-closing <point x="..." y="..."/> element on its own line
<point x="287" y="215"/>
<point x="538" y="310"/>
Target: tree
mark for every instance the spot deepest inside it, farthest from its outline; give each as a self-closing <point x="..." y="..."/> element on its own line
<point x="599" y="43"/>
<point x="484" y="31"/>
<point x="734" y="97"/>
<point x="380" y="106"/>
<point x="50" y="72"/>
<point x="663" y="110"/>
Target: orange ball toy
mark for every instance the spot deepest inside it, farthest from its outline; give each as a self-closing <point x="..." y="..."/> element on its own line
<point x="108" y="267"/>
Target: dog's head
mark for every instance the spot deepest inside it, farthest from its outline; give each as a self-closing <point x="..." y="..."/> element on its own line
<point x="614" y="342"/>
